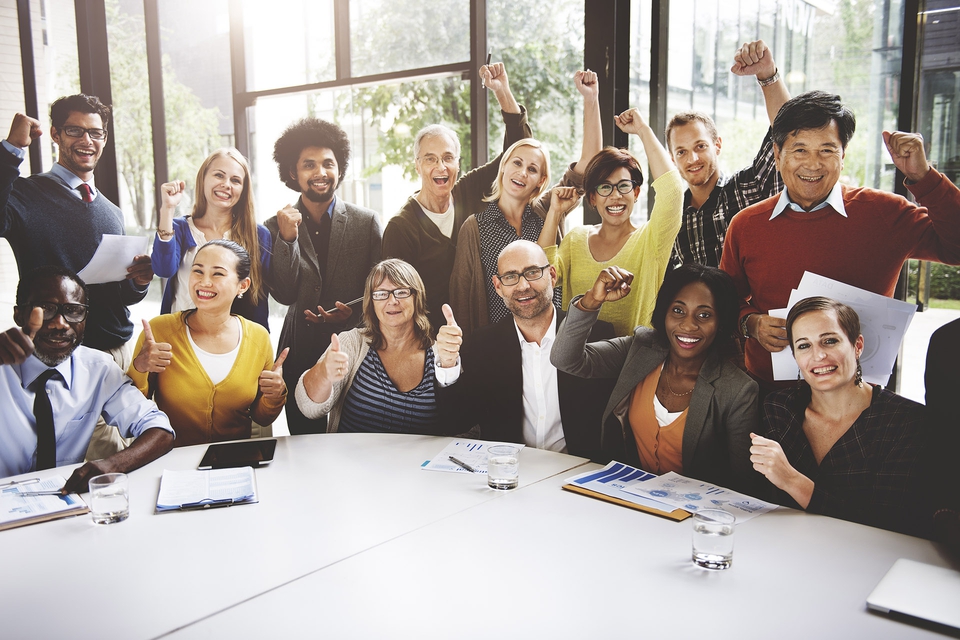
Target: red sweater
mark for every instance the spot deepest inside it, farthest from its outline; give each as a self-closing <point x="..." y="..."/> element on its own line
<point x="767" y="258"/>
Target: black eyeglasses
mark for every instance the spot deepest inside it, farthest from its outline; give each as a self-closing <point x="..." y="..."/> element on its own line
<point x="624" y="187"/>
<point x="531" y="274"/>
<point x="71" y="312"/>
<point x="77" y="132"/>
<point x="399" y="294"/>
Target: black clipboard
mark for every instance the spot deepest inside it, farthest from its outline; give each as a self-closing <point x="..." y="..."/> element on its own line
<point x="248" y="453"/>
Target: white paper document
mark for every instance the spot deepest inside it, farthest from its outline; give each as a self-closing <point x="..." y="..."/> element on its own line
<point x="196" y="489"/>
<point x="18" y="506"/>
<point x="114" y="254"/>
<point x="692" y="495"/>
<point x="883" y="323"/>
<point x="619" y="480"/>
<point x="471" y="452"/>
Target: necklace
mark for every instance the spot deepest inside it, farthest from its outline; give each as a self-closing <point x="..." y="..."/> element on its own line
<point x="679" y="395"/>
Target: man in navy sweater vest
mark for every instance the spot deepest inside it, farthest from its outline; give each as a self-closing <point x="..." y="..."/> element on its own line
<point x="58" y="218"/>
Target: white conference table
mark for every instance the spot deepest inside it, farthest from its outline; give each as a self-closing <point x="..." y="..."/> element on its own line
<point x="352" y="540"/>
<point x="323" y="499"/>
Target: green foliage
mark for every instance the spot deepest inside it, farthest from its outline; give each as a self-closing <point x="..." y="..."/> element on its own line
<point x="192" y="130"/>
<point x="534" y="41"/>
<point x="944" y="280"/>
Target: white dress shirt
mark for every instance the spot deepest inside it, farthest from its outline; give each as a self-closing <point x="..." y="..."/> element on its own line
<point x="542" y="427"/>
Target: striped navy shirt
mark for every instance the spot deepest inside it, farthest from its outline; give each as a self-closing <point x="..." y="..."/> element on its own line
<point x="375" y="405"/>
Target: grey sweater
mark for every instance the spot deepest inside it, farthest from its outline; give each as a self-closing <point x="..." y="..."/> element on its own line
<point x="45" y="224"/>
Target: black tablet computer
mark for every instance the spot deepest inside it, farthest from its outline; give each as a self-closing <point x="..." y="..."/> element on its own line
<point x="248" y="453"/>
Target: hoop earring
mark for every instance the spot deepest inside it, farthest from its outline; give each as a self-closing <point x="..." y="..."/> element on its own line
<point x="798" y="376"/>
<point x="858" y="376"/>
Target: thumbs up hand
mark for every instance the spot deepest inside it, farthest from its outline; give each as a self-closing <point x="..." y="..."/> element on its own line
<point x="154" y="357"/>
<point x="16" y="344"/>
<point x="336" y="363"/>
<point x="271" y="380"/>
<point x="449" y="339"/>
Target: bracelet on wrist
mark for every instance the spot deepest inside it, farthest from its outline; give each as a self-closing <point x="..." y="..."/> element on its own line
<point x="771" y="80"/>
<point x="164" y="234"/>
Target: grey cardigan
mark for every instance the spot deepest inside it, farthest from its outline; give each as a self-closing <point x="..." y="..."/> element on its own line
<point x="723" y="408"/>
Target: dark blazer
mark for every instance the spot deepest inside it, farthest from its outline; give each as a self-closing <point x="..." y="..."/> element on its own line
<point x="723" y="407"/>
<point x="489" y="392"/>
<point x="295" y="280"/>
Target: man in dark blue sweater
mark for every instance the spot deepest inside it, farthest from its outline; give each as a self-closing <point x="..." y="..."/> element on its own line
<point x="58" y="218"/>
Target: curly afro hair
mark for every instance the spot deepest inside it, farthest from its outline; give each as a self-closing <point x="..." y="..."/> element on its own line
<point x="309" y="132"/>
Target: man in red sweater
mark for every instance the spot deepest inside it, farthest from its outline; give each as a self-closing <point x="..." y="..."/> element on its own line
<point x="858" y="236"/>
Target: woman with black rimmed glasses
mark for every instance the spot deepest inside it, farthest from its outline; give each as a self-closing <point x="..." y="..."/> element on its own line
<point x="382" y="377"/>
<point x="612" y="183"/>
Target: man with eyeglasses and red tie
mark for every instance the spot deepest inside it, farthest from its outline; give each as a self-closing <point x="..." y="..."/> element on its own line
<point x="52" y="389"/>
<point x="508" y="387"/>
<point x="59" y="218"/>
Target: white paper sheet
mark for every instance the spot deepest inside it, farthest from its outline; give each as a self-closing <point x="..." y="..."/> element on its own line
<point x="883" y="323"/>
<point x="113" y="256"/>
<point x="472" y="452"/>
<point x="692" y="495"/>
<point x="193" y="487"/>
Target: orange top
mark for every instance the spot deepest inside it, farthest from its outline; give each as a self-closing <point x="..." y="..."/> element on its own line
<point x="660" y="448"/>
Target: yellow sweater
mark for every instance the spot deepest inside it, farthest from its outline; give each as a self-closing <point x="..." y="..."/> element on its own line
<point x="645" y="255"/>
<point x="199" y="410"/>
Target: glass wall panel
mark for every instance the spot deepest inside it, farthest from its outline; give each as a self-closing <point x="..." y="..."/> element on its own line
<point x="640" y="58"/>
<point x="288" y="42"/>
<point x="133" y="136"/>
<point x="843" y="46"/>
<point x="54" y="25"/>
<point x="541" y="46"/>
<point x="197" y="88"/>
<point x="393" y="35"/>
<point x="380" y="122"/>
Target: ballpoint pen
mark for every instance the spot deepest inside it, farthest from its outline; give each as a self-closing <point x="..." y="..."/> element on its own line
<point x="462" y="465"/>
<point x="483" y="83"/>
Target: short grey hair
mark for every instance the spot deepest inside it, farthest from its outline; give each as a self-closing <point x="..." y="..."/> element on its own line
<point x="435" y="131"/>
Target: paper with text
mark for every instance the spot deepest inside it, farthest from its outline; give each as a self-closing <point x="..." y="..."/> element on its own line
<point x="472" y="452"/>
<point x="693" y="495"/>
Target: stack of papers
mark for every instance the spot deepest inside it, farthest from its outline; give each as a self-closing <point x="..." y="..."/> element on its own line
<point x="19" y="508"/>
<point x="193" y="489"/>
<point x="616" y="483"/>
<point x="883" y="322"/>
<point x="693" y="495"/>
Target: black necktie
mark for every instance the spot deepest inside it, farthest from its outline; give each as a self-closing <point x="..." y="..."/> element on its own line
<point x="42" y="411"/>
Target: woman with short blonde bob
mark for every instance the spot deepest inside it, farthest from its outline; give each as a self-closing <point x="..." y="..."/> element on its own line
<point x="223" y="210"/>
<point x="383" y="376"/>
<point x="835" y="444"/>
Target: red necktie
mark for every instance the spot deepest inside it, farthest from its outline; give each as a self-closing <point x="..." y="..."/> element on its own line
<point x="86" y="192"/>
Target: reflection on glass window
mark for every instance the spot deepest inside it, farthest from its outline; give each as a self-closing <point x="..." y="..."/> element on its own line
<point x="197" y="88"/>
<point x="57" y="66"/>
<point x="541" y="46"/>
<point x="847" y="47"/>
<point x="393" y="35"/>
<point x="288" y="42"/>
<point x="133" y="135"/>
<point x="380" y="122"/>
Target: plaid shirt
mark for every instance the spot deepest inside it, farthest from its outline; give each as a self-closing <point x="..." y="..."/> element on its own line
<point x="701" y="237"/>
<point x="871" y="473"/>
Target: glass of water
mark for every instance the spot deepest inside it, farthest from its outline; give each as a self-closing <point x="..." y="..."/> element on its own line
<point x="713" y="538"/>
<point x="503" y="467"/>
<point x="109" y="498"/>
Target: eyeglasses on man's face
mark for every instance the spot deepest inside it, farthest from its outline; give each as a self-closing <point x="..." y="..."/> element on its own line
<point x="624" y="187"/>
<point x="71" y="311"/>
<point x="399" y="294"/>
<point x="431" y="160"/>
<point x="531" y="274"/>
<point x="77" y="132"/>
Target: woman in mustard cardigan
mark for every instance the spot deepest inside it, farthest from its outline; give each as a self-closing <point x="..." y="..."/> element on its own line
<point x="210" y="371"/>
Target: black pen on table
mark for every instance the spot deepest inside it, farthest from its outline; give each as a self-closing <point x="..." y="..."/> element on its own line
<point x="462" y="465"/>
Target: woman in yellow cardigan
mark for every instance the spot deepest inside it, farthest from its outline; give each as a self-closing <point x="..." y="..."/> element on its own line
<point x="211" y="372"/>
<point x="612" y="183"/>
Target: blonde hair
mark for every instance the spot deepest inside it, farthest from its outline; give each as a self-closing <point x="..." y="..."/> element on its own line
<point x="497" y="189"/>
<point x="403" y="275"/>
<point x="243" y="228"/>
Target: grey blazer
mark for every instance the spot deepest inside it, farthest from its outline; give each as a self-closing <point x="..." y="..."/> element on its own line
<point x="295" y="278"/>
<point x="723" y="407"/>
